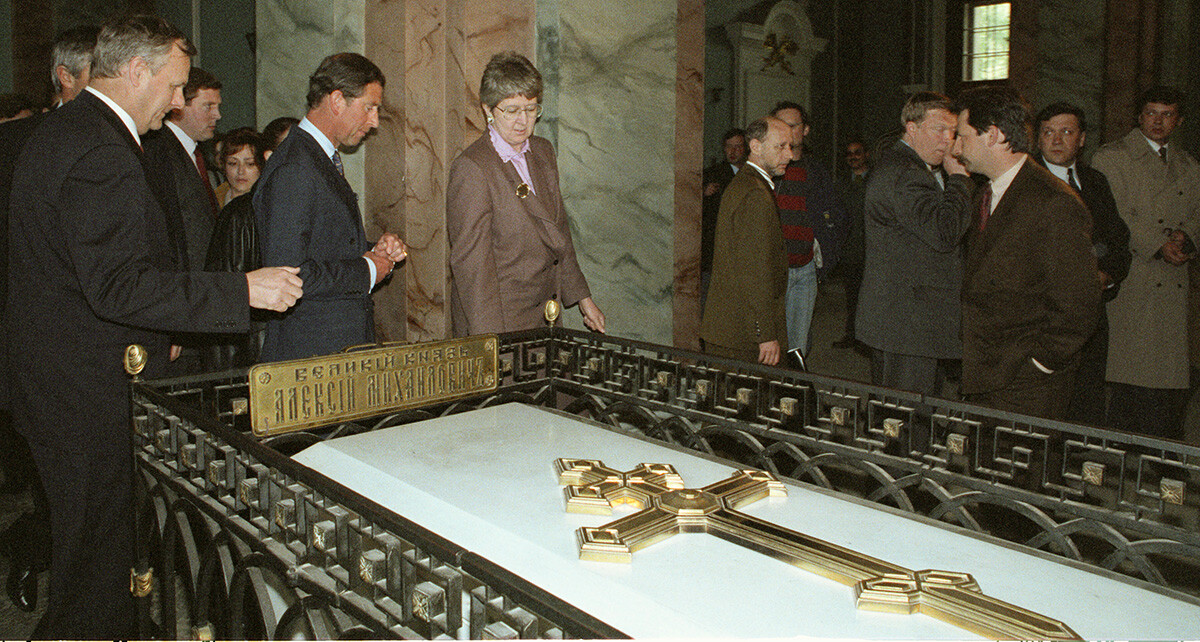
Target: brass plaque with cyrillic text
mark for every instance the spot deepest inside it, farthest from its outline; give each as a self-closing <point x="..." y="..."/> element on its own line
<point x="293" y="395"/>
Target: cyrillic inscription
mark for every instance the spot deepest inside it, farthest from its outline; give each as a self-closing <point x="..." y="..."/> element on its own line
<point x="291" y="395"/>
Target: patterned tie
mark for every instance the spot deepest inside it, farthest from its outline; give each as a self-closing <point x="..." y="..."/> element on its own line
<point x="985" y="207"/>
<point x="1071" y="179"/>
<point x="337" y="162"/>
<point x="202" y="167"/>
<point x="1162" y="151"/>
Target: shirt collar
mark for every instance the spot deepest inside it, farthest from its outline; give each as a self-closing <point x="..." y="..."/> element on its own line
<point x="322" y="140"/>
<point x="1002" y="182"/>
<point x="764" y="173"/>
<point x="188" y="144"/>
<point x="121" y="113"/>
<point x="505" y="150"/>
<point x="1153" y="145"/>
<point x="1061" y="170"/>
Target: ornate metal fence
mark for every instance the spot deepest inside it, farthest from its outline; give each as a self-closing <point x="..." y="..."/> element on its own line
<point x="248" y="543"/>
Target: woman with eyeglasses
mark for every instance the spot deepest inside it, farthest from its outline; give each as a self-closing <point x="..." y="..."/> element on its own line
<point x="510" y="240"/>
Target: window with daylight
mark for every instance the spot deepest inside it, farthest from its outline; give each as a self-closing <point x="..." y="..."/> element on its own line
<point x="985" y="40"/>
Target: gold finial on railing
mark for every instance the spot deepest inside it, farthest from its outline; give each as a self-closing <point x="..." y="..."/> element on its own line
<point x="135" y="360"/>
<point x="553" y="309"/>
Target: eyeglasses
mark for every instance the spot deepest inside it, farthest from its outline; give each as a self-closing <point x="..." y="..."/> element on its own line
<point x="530" y="111"/>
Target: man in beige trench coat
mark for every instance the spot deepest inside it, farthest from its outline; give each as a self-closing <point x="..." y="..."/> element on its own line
<point x="1156" y="185"/>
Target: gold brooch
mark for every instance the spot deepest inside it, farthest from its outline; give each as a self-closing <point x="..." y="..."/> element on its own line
<point x="523" y="190"/>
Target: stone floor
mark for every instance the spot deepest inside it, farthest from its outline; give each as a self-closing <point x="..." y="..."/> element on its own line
<point x="828" y="323"/>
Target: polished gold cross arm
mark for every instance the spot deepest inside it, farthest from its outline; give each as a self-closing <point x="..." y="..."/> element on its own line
<point x="667" y="508"/>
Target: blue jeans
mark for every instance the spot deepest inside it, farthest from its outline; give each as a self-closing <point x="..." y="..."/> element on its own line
<point x="801" y="295"/>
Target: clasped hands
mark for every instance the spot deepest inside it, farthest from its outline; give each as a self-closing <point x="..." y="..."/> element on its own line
<point x="388" y="251"/>
<point x="1174" y="252"/>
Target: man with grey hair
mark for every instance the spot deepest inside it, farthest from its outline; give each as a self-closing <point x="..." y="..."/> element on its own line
<point x="27" y="539"/>
<point x="92" y="269"/>
<point x="71" y="62"/>
<point x="917" y="208"/>
<point x="308" y="215"/>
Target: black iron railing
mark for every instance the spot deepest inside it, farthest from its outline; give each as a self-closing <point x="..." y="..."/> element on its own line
<point x="249" y="543"/>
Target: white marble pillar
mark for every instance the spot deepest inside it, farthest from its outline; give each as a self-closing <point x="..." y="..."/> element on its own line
<point x="293" y="37"/>
<point x="611" y="100"/>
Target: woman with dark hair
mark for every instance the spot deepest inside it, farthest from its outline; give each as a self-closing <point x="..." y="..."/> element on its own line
<point x="277" y="130"/>
<point x="510" y="240"/>
<point x="234" y="244"/>
<point x="242" y="157"/>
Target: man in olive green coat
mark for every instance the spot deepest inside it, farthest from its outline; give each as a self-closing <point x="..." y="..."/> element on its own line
<point x="744" y="314"/>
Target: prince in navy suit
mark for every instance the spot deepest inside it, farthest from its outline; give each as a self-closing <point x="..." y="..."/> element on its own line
<point x="308" y="215"/>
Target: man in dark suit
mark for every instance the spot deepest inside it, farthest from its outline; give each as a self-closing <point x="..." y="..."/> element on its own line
<point x="1062" y="133"/>
<point x="178" y="171"/>
<point x="91" y="271"/>
<point x="178" y="175"/>
<point x="1031" y="290"/>
<point x="852" y="184"/>
<point x="308" y="215"/>
<point x="744" y="317"/>
<point x="916" y="217"/>
<point x="27" y="540"/>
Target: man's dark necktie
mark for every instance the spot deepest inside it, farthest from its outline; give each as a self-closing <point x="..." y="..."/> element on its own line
<point x="985" y="207"/>
<point x="337" y="163"/>
<point x="1162" y="151"/>
<point x="1071" y="179"/>
<point x="202" y="167"/>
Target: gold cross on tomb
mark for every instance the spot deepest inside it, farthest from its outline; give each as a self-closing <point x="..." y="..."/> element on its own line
<point x="666" y="508"/>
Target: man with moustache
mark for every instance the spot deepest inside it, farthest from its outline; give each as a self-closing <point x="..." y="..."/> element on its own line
<point x="1031" y="291"/>
<point x="308" y="215"/>
<point x="917" y="209"/>
<point x="1156" y="185"/>
<point x="93" y="271"/>
<point x="1062" y="132"/>
<point x="744" y="316"/>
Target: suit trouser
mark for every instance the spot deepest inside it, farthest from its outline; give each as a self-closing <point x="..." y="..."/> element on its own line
<point x="1087" y="397"/>
<point x="91" y="517"/>
<point x="1157" y="412"/>
<point x="906" y="372"/>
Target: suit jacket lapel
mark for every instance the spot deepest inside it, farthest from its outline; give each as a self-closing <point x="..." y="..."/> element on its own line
<point x="538" y="204"/>
<point x="340" y="185"/>
<point x="534" y="204"/>
<point x="113" y="119"/>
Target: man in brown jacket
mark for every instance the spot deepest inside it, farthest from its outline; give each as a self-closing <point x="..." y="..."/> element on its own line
<point x="1031" y="290"/>
<point x="744" y="314"/>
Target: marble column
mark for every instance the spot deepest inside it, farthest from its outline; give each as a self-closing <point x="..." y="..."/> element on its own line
<point x="611" y="95"/>
<point x="293" y="37"/>
<point x="385" y="162"/>
<point x="1070" y="53"/>
<point x="689" y="167"/>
